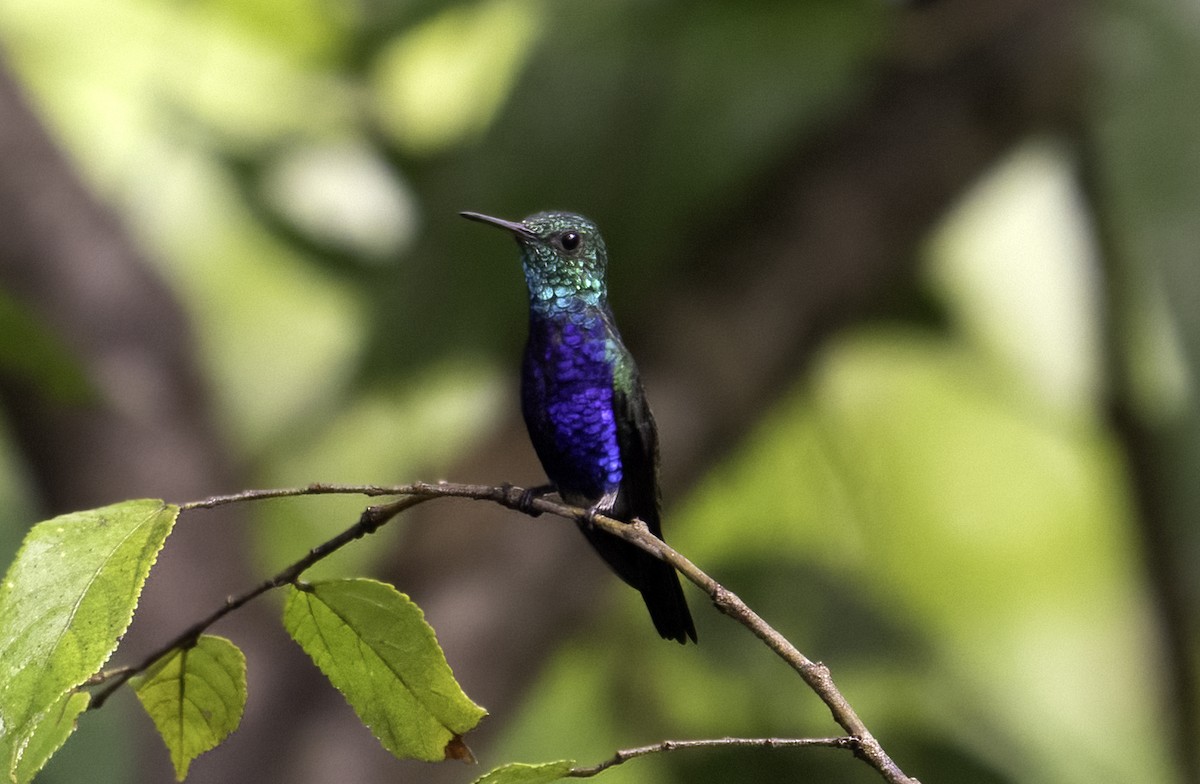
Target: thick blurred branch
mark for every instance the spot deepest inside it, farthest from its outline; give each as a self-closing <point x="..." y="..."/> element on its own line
<point x="1160" y="452"/>
<point x="67" y="258"/>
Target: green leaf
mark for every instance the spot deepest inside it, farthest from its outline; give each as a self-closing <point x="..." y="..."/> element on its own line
<point x="524" y="773"/>
<point x="374" y="645"/>
<point x="444" y="81"/>
<point x="51" y="733"/>
<point x="195" y="696"/>
<point x="64" y="604"/>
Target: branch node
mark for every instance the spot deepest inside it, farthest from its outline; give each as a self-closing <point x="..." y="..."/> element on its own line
<point x="639" y="525"/>
<point x="370" y="520"/>
<point x="724" y="599"/>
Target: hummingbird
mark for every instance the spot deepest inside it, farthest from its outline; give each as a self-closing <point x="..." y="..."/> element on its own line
<point x="584" y="405"/>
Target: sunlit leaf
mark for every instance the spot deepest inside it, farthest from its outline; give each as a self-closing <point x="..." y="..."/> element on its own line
<point x="374" y="645"/>
<point x="445" y="80"/>
<point x="49" y="736"/>
<point x="524" y="773"/>
<point x="195" y="697"/>
<point x="64" y="604"/>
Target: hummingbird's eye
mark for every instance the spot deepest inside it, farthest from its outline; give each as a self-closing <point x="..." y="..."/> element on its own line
<point x="569" y="240"/>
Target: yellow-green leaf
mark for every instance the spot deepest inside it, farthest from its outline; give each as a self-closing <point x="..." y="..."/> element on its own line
<point x="524" y="773"/>
<point x="195" y="697"/>
<point x="374" y="645"/>
<point x="49" y="735"/>
<point x="65" y="602"/>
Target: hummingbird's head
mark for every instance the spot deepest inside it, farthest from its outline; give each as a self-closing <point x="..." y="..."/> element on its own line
<point x="563" y="256"/>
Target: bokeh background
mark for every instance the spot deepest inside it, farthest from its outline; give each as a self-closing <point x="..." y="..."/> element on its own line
<point x="913" y="287"/>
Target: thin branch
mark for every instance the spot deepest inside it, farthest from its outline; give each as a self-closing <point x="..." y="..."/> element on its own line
<point x="315" y="488"/>
<point x="624" y="755"/>
<point x="815" y="674"/>
<point x="372" y="518"/>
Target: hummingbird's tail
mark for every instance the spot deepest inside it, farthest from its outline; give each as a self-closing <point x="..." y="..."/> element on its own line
<point x="664" y="599"/>
<point x="657" y="580"/>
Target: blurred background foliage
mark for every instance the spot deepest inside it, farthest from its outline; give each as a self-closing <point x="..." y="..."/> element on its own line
<point x="961" y="472"/>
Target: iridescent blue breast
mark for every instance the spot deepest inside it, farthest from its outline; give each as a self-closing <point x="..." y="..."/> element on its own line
<point x="567" y="400"/>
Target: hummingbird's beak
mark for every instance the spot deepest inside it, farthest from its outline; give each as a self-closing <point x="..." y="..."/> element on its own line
<point x="519" y="229"/>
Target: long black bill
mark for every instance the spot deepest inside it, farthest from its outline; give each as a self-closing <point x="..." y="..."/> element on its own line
<point x="518" y="229"/>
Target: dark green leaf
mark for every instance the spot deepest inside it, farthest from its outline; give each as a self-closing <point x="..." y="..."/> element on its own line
<point x="31" y="352"/>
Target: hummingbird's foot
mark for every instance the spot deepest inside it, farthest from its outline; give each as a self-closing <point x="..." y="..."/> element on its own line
<point x="602" y="507"/>
<point x="531" y="494"/>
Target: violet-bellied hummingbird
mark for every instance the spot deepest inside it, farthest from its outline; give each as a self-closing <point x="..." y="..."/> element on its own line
<point x="584" y="405"/>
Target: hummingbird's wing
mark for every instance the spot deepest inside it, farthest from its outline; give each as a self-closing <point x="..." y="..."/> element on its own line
<point x="639" y="497"/>
<point x="637" y="438"/>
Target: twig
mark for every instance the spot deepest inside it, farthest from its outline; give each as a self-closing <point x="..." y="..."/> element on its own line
<point x="316" y="488"/>
<point x="368" y="522"/>
<point x="815" y="674"/>
<point x="624" y="755"/>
